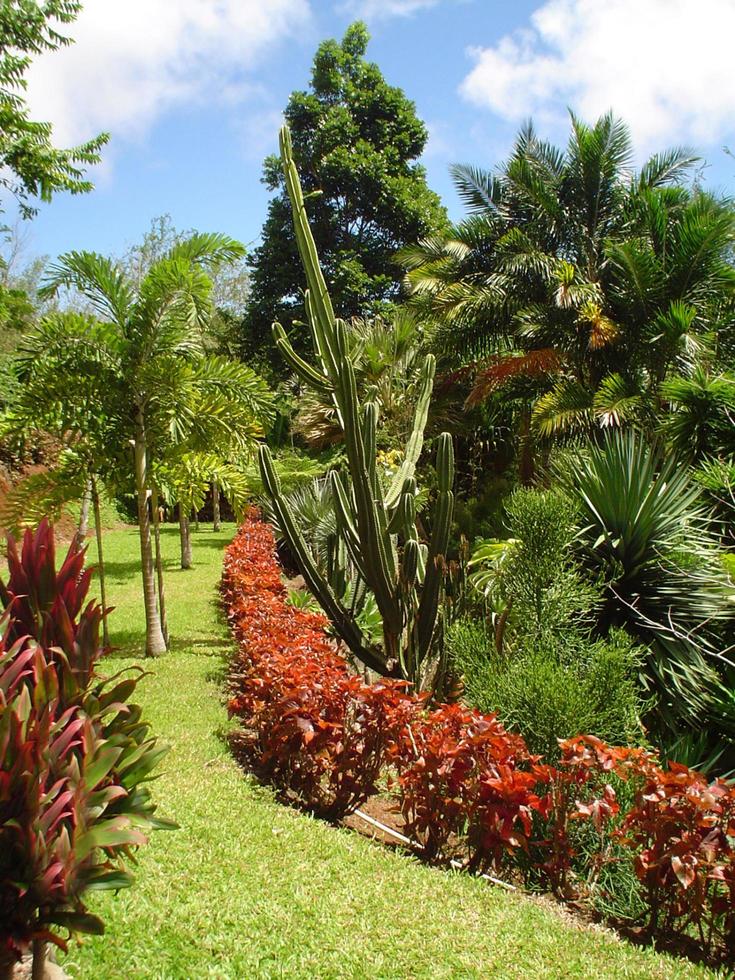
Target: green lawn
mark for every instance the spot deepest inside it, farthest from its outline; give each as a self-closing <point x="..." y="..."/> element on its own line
<point x="248" y="888"/>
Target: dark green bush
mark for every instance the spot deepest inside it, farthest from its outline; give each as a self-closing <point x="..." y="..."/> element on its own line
<point x="553" y="689"/>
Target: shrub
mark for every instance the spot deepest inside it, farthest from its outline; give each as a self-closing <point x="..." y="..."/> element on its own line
<point x="553" y="688"/>
<point x="680" y="829"/>
<point x="309" y="726"/>
<point x="540" y="578"/>
<point x="646" y="533"/>
<point x="74" y="754"/>
<point x="460" y="784"/>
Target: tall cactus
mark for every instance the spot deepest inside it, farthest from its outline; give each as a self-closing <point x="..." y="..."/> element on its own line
<point x="377" y="523"/>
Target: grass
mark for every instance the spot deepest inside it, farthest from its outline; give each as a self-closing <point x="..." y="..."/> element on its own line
<point x="248" y="888"/>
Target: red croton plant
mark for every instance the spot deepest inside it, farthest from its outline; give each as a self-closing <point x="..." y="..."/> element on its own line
<point x="468" y="788"/>
<point x="310" y="726"/>
<point x="74" y="756"/>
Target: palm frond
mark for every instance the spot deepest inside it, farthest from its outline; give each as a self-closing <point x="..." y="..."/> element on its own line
<point x="563" y="411"/>
<point x="478" y="189"/>
<point x="616" y="402"/>
<point x="207" y="249"/>
<point x="98" y="278"/>
<point x="667" y="167"/>
<point x="530" y="364"/>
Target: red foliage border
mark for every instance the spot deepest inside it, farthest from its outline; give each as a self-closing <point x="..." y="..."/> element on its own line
<point x="323" y="737"/>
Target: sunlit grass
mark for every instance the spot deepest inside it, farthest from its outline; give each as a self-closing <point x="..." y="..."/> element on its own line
<point x="248" y="888"/>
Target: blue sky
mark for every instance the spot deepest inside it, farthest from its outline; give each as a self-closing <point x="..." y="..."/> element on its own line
<point x="192" y="91"/>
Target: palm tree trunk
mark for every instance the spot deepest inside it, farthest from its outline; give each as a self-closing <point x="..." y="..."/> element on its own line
<point x="196" y="520"/>
<point x="215" y="505"/>
<point x="100" y="561"/>
<point x="155" y="643"/>
<point x="526" y="462"/>
<point x="159" y="564"/>
<point x="185" y="537"/>
<point x="83" y="527"/>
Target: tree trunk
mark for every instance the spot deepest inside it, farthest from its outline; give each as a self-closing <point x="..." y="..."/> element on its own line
<point x="83" y="527"/>
<point x="38" y="970"/>
<point x="215" y="505"/>
<point x="7" y="966"/>
<point x="159" y="564"/>
<point x="185" y="537"/>
<point x="100" y="561"/>
<point x="526" y="462"/>
<point x="196" y="520"/>
<point x="155" y="643"/>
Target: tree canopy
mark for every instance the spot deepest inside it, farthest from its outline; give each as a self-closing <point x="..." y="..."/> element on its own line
<point x="356" y="142"/>
<point x="32" y="168"/>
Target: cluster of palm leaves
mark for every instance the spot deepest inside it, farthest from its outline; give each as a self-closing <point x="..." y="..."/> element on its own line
<point x="646" y="535"/>
<point x="385" y="353"/>
<point x="585" y="294"/>
<point x="130" y="389"/>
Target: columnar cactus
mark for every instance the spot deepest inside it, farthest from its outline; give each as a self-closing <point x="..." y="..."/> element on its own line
<point x="376" y="522"/>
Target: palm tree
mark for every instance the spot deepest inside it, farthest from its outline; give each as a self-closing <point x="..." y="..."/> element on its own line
<point x="576" y="285"/>
<point x="701" y="422"/>
<point x="60" y="393"/>
<point x="143" y="359"/>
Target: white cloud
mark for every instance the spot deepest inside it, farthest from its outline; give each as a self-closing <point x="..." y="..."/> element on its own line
<point x="258" y="133"/>
<point x="665" y="66"/>
<point x="134" y="59"/>
<point x="439" y="143"/>
<point x="385" y="8"/>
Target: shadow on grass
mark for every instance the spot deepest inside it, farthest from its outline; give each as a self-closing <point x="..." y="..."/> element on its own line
<point x="119" y="569"/>
<point x="127" y="644"/>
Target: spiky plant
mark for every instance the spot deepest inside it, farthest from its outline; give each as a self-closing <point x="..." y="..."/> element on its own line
<point x="645" y="533"/>
<point x="376" y="518"/>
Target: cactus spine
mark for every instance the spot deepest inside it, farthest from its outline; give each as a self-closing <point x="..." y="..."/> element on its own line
<point x="376" y="523"/>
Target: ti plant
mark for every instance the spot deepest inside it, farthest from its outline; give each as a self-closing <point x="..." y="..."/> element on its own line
<point x="76" y="756"/>
<point x="376" y="520"/>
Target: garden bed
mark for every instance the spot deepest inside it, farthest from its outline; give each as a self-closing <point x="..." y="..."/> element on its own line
<point x="468" y="792"/>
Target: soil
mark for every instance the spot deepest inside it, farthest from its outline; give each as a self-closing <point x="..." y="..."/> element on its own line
<point x="385" y="810"/>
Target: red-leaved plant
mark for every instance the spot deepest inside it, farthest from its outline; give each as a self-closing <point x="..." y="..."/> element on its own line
<point x="309" y="726"/>
<point x="468" y="788"/>
<point x="74" y="756"/>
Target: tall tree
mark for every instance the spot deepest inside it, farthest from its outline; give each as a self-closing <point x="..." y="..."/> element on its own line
<point x="356" y="141"/>
<point x="145" y="354"/>
<point x="31" y="168"/>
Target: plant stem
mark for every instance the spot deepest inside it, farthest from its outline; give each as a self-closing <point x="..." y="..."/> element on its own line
<point x="215" y="505"/>
<point x="185" y="537"/>
<point x="7" y="967"/>
<point x="83" y="526"/>
<point x="155" y="644"/>
<point x="159" y="564"/>
<point x="38" y="970"/>
<point x="100" y="561"/>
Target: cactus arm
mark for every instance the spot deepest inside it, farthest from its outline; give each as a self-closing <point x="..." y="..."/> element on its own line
<point x="416" y="439"/>
<point x="346" y="524"/>
<point x="429" y="604"/>
<point x="319" y="305"/>
<point x="305" y="371"/>
<point x="345" y="624"/>
<point x="377" y="550"/>
<point x="324" y="339"/>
